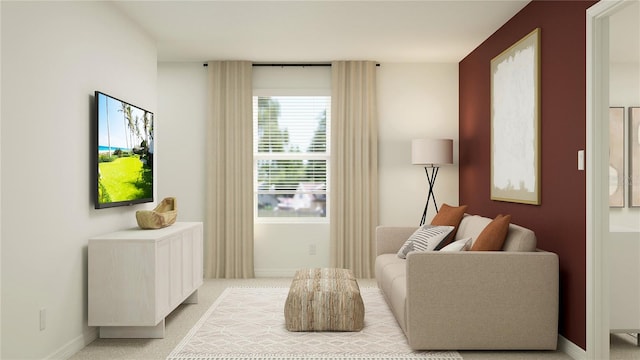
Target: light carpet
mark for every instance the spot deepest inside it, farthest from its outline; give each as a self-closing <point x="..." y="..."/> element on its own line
<point x="248" y="323"/>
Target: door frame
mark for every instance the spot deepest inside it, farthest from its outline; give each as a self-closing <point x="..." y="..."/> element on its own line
<point x="597" y="181"/>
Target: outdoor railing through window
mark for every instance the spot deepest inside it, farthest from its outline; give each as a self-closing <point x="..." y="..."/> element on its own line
<point x="291" y="155"/>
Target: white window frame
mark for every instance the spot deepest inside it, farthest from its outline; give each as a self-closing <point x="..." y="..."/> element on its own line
<point x="293" y="156"/>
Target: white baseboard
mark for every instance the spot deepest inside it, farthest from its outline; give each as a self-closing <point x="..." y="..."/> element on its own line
<point x="271" y="273"/>
<point x="75" y="345"/>
<point x="571" y="349"/>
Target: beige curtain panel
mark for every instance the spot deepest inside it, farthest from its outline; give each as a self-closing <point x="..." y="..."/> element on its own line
<point x="229" y="223"/>
<point x="354" y="166"/>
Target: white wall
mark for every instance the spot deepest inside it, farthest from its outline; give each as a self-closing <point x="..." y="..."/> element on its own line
<point x="54" y="55"/>
<point x="415" y="100"/>
<point x="182" y="109"/>
<point x="625" y="91"/>
<point x="624" y="284"/>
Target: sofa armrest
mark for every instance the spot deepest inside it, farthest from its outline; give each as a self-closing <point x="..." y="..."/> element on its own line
<point x="482" y="300"/>
<point x="389" y="239"/>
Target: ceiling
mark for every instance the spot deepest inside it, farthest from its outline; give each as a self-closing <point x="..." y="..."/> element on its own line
<point x="319" y="31"/>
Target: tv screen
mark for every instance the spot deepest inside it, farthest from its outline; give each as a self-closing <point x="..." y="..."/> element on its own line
<point x="124" y="161"/>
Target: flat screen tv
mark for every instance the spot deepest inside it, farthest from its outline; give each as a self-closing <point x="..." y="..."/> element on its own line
<point x="124" y="155"/>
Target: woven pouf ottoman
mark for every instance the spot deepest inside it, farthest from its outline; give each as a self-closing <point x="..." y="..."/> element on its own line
<point x="324" y="299"/>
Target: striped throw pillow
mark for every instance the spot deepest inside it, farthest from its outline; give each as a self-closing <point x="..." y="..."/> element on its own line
<point x="426" y="238"/>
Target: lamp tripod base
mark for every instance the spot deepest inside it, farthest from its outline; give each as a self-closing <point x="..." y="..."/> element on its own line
<point x="431" y="178"/>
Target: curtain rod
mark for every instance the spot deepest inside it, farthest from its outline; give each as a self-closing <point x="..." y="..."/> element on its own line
<point x="288" y="64"/>
<point x="299" y="64"/>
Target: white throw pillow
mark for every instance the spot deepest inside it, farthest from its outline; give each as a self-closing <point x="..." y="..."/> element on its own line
<point x="458" y="245"/>
<point x="426" y="238"/>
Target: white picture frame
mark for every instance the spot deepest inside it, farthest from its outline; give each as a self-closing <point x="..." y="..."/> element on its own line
<point x="616" y="157"/>
<point x="634" y="156"/>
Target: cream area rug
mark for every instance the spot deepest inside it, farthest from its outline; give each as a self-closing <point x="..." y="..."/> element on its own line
<point x="248" y="323"/>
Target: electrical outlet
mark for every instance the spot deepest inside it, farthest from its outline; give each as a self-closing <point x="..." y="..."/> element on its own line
<point x="43" y="319"/>
<point x="312" y="249"/>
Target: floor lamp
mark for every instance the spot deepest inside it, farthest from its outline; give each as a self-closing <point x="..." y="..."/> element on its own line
<point x="431" y="153"/>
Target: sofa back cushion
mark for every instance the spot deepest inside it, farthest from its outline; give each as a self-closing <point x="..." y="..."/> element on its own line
<point x="518" y="238"/>
<point x="493" y="236"/>
<point x="449" y="216"/>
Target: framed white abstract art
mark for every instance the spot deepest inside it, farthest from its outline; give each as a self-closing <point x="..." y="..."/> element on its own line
<point x="515" y="122"/>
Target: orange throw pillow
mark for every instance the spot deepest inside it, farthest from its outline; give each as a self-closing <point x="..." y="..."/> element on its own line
<point x="493" y="235"/>
<point x="449" y="216"/>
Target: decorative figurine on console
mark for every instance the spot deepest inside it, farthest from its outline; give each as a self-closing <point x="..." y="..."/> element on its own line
<point x="163" y="215"/>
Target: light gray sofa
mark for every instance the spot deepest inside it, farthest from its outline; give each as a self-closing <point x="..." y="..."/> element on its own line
<point x="471" y="300"/>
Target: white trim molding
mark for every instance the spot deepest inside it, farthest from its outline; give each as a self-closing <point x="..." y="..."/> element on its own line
<point x="75" y="345"/>
<point x="571" y="349"/>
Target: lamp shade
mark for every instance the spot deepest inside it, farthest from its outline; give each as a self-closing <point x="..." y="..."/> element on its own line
<point x="431" y="151"/>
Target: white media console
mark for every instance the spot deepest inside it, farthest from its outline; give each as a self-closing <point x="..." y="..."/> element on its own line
<point x="137" y="277"/>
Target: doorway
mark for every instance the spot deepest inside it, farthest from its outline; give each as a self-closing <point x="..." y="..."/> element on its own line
<point x="624" y="218"/>
<point x="598" y="219"/>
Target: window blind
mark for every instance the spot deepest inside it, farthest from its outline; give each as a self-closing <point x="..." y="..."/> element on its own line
<point x="291" y="152"/>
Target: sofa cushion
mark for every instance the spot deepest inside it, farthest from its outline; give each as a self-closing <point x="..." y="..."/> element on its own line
<point x="518" y="238"/>
<point x="458" y="245"/>
<point x="392" y="280"/>
<point x="449" y="216"/>
<point x="493" y="235"/>
<point x="388" y="268"/>
<point x="426" y="238"/>
<point x="397" y="298"/>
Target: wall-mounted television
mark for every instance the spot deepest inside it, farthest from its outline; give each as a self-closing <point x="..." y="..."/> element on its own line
<point x="124" y="155"/>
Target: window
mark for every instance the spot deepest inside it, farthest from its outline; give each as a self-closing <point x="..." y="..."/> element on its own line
<point x="291" y="156"/>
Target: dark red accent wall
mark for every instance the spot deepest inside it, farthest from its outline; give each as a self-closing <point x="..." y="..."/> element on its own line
<point x="560" y="221"/>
